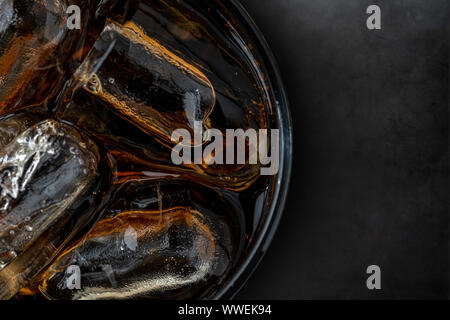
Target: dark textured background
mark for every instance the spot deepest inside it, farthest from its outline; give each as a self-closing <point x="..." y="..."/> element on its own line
<point x="370" y="171"/>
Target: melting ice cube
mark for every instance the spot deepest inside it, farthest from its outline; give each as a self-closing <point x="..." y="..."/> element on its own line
<point x="140" y="249"/>
<point x="43" y="172"/>
<point x="146" y="83"/>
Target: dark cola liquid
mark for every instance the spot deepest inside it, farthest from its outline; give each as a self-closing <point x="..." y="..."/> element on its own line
<point x="93" y="207"/>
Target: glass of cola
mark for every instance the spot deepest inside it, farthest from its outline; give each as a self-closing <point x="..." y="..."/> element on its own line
<point x="145" y="149"/>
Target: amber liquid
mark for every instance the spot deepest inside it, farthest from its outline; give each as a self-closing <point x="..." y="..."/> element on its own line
<point x="127" y="107"/>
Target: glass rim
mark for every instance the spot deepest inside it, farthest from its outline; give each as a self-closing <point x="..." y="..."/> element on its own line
<point x="236" y="280"/>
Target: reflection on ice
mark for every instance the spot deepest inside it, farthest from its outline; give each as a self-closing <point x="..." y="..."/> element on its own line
<point x="12" y="126"/>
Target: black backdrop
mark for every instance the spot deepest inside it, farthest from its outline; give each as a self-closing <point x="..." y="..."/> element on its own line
<point x="370" y="171"/>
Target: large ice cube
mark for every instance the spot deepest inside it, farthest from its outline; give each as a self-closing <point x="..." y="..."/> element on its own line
<point x="137" y="254"/>
<point x="44" y="171"/>
<point x="142" y="249"/>
<point x="146" y="83"/>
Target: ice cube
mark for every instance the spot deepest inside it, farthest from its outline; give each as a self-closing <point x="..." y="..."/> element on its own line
<point x="146" y="83"/>
<point x="172" y="249"/>
<point x="142" y="249"/>
<point x="38" y="51"/>
<point x="44" y="172"/>
<point x="12" y="126"/>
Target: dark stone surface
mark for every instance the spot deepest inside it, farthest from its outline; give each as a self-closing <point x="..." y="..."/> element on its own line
<point x="370" y="173"/>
